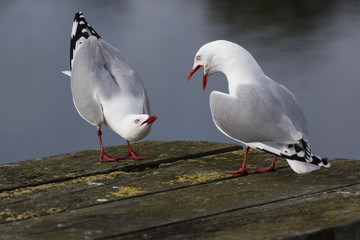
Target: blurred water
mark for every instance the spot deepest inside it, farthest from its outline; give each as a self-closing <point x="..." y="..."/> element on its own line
<point x="310" y="47"/>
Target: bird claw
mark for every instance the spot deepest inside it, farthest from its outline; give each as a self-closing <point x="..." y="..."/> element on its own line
<point x="262" y="170"/>
<point x="106" y="158"/>
<point x="133" y="155"/>
<point x="241" y="170"/>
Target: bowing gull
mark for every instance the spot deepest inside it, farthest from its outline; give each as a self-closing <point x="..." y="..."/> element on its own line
<point x="106" y="89"/>
<point x="257" y="111"/>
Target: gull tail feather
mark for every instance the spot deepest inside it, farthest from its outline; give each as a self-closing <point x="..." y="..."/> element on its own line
<point x="79" y="33"/>
<point x="68" y="73"/>
<point x="306" y="167"/>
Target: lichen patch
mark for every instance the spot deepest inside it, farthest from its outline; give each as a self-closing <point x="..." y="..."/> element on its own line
<point x="127" y="192"/>
<point x="197" y="178"/>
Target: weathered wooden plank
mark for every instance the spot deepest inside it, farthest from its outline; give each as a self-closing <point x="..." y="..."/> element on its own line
<point x="243" y="223"/>
<point x="85" y="163"/>
<point x="91" y="190"/>
<point x="175" y="196"/>
<point x="307" y="217"/>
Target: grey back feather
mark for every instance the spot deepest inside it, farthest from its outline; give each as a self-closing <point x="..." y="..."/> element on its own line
<point x="259" y="114"/>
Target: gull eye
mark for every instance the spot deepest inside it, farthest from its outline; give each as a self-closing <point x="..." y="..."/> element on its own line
<point x="198" y="57"/>
<point x="137" y="121"/>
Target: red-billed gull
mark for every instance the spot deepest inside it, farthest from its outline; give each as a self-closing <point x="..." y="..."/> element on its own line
<point x="106" y="89"/>
<point x="257" y="111"/>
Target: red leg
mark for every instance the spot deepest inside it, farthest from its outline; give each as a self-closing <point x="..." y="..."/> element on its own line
<point x="133" y="155"/>
<point x="103" y="156"/>
<point x="268" y="169"/>
<point x="243" y="169"/>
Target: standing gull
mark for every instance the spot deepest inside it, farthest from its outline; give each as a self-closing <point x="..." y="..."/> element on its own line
<point x="106" y="89"/>
<point x="257" y="111"/>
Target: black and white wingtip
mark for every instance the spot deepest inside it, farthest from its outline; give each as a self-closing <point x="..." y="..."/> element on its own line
<point x="79" y="33"/>
<point x="303" y="161"/>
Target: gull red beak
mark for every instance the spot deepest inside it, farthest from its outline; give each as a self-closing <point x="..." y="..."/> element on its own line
<point x="204" y="75"/>
<point x="150" y="119"/>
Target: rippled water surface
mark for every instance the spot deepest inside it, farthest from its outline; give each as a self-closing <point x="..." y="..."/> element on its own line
<point x="311" y="47"/>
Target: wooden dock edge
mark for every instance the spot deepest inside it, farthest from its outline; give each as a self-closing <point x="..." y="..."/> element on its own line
<point x="182" y="191"/>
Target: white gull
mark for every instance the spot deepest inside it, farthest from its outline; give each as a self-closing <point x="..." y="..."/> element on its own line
<point x="257" y="111"/>
<point x="106" y="89"/>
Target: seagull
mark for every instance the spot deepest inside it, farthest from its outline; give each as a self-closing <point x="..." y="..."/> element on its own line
<point x="257" y="112"/>
<point x="106" y="89"/>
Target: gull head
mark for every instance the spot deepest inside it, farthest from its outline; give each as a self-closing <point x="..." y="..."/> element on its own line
<point x="211" y="58"/>
<point x="137" y="126"/>
<point x="202" y="60"/>
<point x="226" y="57"/>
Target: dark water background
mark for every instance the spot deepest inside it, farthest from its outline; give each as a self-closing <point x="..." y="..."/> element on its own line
<point x="311" y="47"/>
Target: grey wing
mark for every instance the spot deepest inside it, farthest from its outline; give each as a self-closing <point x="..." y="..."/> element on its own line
<point x="288" y="105"/>
<point x="89" y="80"/>
<point x="255" y="115"/>
<point x="147" y="109"/>
<point x="123" y="73"/>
